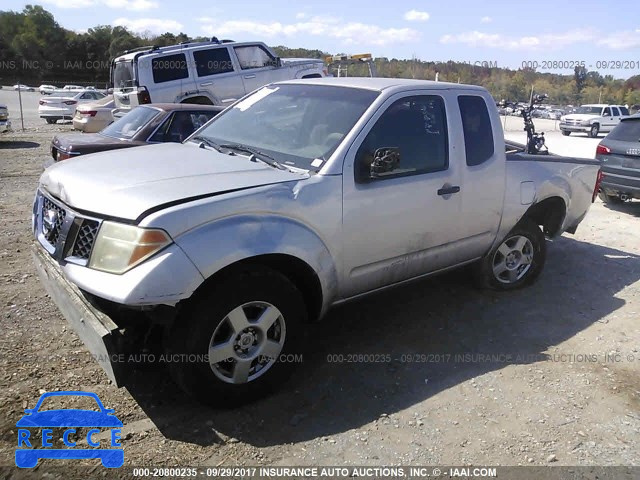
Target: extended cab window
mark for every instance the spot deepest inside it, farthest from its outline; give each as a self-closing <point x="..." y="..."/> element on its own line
<point x="213" y="61"/>
<point x="253" y="56"/>
<point x="171" y="67"/>
<point x="476" y="126"/>
<point x="414" y="128"/>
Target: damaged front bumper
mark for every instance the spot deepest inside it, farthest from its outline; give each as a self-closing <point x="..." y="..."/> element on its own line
<point x="101" y="335"/>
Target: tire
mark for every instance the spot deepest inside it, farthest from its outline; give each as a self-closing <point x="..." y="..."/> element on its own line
<point x="613" y="199"/>
<point x="517" y="261"/>
<point x="566" y="133"/>
<point x="51" y="121"/>
<point x="595" y="129"/>
<point x="207" y="322"/>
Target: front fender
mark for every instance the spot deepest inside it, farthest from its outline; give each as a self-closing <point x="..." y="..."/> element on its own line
<point x="221" y="243"/>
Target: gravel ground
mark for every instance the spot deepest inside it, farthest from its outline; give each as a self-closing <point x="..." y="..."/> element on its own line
<point x="568" y="394"/>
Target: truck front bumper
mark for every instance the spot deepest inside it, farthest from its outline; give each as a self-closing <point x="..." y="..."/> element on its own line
<point x="99" y="332"/>
<point x="574" y="128"/>
<point x="5" y="126"/>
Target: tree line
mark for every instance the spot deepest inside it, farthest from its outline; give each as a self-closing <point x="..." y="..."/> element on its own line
<point x="35" y="49"/>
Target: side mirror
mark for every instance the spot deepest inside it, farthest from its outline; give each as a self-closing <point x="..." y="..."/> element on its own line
<point x="385" y="160"/>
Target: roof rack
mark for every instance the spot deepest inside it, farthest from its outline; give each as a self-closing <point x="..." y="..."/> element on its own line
<point x="155" y="48"/>
<point x="139" y="49"/>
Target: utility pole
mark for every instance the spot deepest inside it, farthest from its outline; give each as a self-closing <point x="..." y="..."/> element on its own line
<point x="20" y="100"/>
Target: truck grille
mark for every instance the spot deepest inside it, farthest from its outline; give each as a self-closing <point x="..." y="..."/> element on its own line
<point x="52" y="219"/>
<point x="85" y="239"/>
<point x="65" y="234"/>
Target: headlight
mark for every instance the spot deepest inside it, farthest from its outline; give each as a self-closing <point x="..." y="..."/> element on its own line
<point x="585" y="123"/>
<point x="120" y="247"/>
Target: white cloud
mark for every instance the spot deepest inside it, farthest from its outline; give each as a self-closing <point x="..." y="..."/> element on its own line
<point x="486" y="20"/>
<point x="301" y="15"/>
<point x="132" y="5"/>
<point x="351" y="33"/>
<point x="621" y="40"/>
<point x="153" y="25"/>
<point x="496" y="40"/>
<point x="416" y="16"/>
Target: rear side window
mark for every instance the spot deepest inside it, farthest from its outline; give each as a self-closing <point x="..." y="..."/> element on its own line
<point x="624" y="110"/>
<point x="212" y="61"/>
<point x="626" y="131"/>
<point x="253" y="57"/>
<point x="171" y="67"/>
<point x="476" y="126"/>
<point x="616" y="113"/>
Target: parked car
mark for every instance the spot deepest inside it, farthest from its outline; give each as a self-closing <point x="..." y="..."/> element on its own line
<point x="155" y="123"/>
<point x="46" y="89"/>
<point x="593" y="119"/>
<point x="63" y="105"/>
<point x="74" y="87"/>
<point x="619" y="153"/>
<point x="24" y="88"/>
<point x="93" y="117"/>
<point x="299" y="197"/>
<point x="213" y="73"/>
<point x="5" y="122"/>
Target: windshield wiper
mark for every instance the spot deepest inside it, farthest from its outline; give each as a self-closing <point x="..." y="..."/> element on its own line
<point x="206" y="141"/>
<point x="263" y="157"/>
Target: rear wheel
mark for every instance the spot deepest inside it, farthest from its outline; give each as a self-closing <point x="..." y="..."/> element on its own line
<point x="613" y="199"/>
<point x="595" y="129"/>
<point x="240" y="340"/>
<point x="566" y="133"/>
<point x="51" y="121"/>
<point x="517" y="261"/>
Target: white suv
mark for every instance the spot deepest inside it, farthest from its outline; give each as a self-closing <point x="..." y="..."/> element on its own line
<point x="210" y="73"/>
<point x="593" y="119"/>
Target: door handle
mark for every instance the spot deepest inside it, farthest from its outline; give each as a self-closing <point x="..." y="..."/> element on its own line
<point x="448" y="190"/>
<point x="206" y="84"/>
<point x="249" y="76"/>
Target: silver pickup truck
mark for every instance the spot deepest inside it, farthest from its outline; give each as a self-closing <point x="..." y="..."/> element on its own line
<point x="300" y="196"/>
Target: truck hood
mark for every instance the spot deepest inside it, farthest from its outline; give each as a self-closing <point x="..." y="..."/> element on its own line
<point x="580" y="116"/>
<point x="128" y="183"/>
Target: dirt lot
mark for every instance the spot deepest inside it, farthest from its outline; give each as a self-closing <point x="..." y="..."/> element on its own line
<point x="568" y="394"/>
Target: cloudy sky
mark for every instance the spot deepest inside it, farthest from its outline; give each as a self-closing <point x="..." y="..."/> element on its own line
<point x="495" y="31"/>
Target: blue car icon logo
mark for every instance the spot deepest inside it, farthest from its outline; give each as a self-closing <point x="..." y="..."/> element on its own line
<point x="28" y="452"/>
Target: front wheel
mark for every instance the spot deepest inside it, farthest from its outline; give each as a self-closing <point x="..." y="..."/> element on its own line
<point x="240" y="340"/>
<point x="566" y="133"/>
<point x="517" y="261"/>
<point x="51" y="121"/>
<point x="595" y="129"/>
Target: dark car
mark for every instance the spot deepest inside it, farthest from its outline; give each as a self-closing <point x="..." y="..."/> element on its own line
<point x="146" y="124"/>
<point x="619" y="153"/>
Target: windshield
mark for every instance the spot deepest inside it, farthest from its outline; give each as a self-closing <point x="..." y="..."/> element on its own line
<point x="589" y="110"/>
<point x="297" y="125"/>
<point x="131" y="123"/>
<point x="123" y="74"/>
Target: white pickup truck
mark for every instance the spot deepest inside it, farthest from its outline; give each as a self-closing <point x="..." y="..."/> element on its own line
<point x="210" y="73"/>
<point x="303" y="195"/>
<point x="593" y="119"/>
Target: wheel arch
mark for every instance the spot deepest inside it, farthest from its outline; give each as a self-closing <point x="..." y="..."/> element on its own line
<point x="200" y="99"/>
<point x="549" y="214"/>
<point x="299" y="272"/>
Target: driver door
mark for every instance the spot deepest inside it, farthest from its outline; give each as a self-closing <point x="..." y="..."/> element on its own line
<point x="405" y="222"/>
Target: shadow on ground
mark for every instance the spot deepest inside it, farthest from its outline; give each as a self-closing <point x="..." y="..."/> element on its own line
<point x="632" y="207"/>
<point x="442" y="315"/>
<point x="17" y="144"/>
